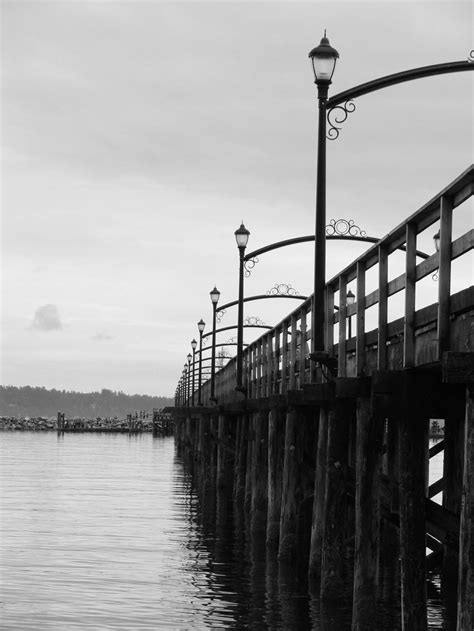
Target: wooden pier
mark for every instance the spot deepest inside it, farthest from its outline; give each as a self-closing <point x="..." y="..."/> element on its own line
<point x="322" y="457"/>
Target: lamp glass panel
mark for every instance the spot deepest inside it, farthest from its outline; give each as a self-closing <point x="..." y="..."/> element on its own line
<point x="242" y="239"/>
<point x="323" y="68"/>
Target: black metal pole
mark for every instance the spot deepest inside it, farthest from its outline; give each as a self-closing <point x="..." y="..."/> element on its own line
<point x="350" y="327"/>
<point x="213" y="360"/>
<point x="189" y="384"/>
<point x="317" y="334"/>
<point x="240" y="322"/>
<point x="200" y="370"/>
<point x="194" y="370"/>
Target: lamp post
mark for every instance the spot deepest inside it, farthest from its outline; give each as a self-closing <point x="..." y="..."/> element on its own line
<point x="350" y="299"/>
<point x="189" y="358"/>
<point x="193" y="346"/>
<point x="201" y="326"/>
<point x="323" y="58"/>
<point x="241" y="236"/>
<point x="185" y="383"/>
<point x="215" y="294"/>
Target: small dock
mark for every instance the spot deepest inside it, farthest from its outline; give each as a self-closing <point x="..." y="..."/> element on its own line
<point x="158" y="422"/>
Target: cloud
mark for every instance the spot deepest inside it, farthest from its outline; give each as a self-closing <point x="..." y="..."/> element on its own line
<point x="46" y="318"/>
<point x="101" y="336"/>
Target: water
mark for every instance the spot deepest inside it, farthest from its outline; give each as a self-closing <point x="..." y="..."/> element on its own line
<point x="104" y="531"/>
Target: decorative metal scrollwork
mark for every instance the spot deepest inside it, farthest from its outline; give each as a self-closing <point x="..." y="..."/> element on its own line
<point x="282" y="289"/>
<point x="220" y="314"/>
<point x="344" y="228"/>
<point x="249" y="265"/>
<point x="253" y="320"/>
<point x="206" y="341"/>
<point x="231" y="340"/>
<point x="336" y="116"/>
<point x="471" y="57"/>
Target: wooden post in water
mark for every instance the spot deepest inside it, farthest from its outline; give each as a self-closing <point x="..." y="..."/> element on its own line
<point x="367" y="520"/>
<point x="317" y="527"/>
<point x="155" y="423"/>
<point x="276" y="435"/>
<point x="289" y="500"/>
<point x="259" y="501"/>
<point x="333" y="552"/>
<point x="297" y="486"/>
<point x="224" y="474"/>
<point x="248" y="464"/>
<point x="412" y="437"/>
<point x="213" y="438"/>
<point x="465" y="619"/>
<point x="390" y="548"/>
<point x="453" y="464"/>
<point x="240" y="463"/>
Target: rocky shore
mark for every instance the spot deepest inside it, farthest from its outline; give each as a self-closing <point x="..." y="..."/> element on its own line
<point x="73" y="424"/>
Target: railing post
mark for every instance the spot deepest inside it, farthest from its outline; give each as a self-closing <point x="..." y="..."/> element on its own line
<point x="444" y="275"/>
<point x="360" y="320"/>
<point x="383" y="308"/>
<point x="410" y="293"/>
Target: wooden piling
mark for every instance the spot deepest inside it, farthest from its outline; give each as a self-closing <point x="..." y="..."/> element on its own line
<point x="288" y="526"/>
<point x="276" y="434"/>
<point x="453" y="463"/>
<point x="317" y="527"/>
<point x="465" y="618"/>
<point x="367" y="520"/>
<point x="335" y="508"/>
<point x="259" y="485"/>
<point x="248" y="465"/>
<point x="240" y="463"/>
<point x="412" y="507"/>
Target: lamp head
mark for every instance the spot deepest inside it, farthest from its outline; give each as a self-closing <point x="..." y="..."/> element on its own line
<point x="189" y="358"/>
<point x="194" y="344"/>
<point x="242" y="236"/>
<point x="436" y="241"/>
<point x="201" y="325"/>
<point x="323" y="58"/>
<point x="215" y="294"/>
<point x="350" y="298"/>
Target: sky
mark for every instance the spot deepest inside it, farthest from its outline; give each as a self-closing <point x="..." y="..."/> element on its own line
<point x="136" y="136"/>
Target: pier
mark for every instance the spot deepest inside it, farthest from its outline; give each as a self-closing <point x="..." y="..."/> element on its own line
<point x="329" y="457"/>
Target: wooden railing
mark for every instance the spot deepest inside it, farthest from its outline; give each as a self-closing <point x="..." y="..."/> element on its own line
<point x="278" y="361"/>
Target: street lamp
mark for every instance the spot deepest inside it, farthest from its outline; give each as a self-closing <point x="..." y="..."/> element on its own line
<point x="189" y="358"/>
<point x="350" y="299"/>
<point x="323" y="58"/>
<point x="215" y="294"/>
<point x="201" y="326"/>
<point x="241" y="236"/>
<point x="436" y="238"/>
<point x="185" y="384"/>
<point x="193" y="346"/>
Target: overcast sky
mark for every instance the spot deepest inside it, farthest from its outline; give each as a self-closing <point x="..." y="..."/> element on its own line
<point x="137" y="135"/>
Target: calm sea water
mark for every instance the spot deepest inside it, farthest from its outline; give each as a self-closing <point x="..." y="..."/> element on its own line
<point x="104" y="531"/>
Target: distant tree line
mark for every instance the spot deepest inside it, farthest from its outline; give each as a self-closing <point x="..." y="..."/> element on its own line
<point x="28" y="401"/>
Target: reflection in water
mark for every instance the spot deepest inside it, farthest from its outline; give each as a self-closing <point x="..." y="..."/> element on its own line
<point x="268" y="595"/>
<point x="106" y="532"/>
